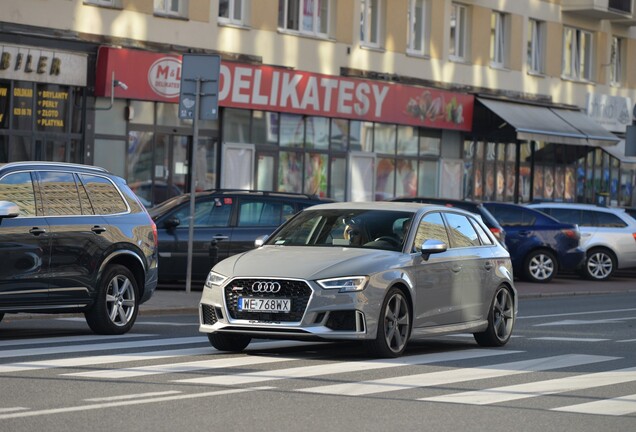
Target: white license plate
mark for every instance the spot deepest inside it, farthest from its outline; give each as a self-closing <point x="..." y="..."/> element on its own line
<point x="250" y="304"/>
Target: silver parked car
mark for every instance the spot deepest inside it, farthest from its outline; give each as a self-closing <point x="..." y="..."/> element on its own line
<point x="608" y="236"/>
<point x="379" y="272"/>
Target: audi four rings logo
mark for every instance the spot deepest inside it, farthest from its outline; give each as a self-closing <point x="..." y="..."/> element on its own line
<point x="266" y="287"/>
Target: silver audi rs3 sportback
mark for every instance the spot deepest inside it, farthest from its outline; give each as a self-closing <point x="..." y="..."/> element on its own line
<point x="378" y="272"/>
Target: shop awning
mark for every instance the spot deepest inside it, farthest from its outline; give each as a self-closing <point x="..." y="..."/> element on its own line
<point x="618" y="151"/>
<point x="554" y="125"/>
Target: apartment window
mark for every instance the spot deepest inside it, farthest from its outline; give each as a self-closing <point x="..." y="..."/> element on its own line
<point x="305" y="16"/>
<point x="616" y="61"/>
<point x="536" y="46"/>
<point x="231" y="11"/>
<point x="171" y="7"/>
<point x="370" y="22"/>
<point x="418" y="26"/>
<point x="577" y="54"/>
<point x="498" y="39"/>
<point x="458" y="30"/>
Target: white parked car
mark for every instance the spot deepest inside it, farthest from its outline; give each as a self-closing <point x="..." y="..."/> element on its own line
<point x="608" y="236"/>
<point x="379" y="272"/>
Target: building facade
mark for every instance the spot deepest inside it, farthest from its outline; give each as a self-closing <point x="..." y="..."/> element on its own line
<point x="348" y="99"/>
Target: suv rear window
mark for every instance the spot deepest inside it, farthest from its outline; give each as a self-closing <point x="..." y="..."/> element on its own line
<point x="104" y="196"/>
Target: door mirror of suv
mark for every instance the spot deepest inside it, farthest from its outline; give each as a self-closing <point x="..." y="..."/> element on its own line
<point x="9" y="209"/>
<point x="172" y="222"/>
<point x="432" y="246"/>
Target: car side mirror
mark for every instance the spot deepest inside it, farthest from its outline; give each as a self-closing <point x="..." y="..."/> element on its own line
<point x="260" y="241"/>
<point x="172" y="222"/>
<point x="432" y="247"/>
<point x="9" y="209"/>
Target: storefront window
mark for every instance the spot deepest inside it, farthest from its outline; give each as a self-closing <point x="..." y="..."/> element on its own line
<point x="140" y="156"/>
<point x="317" y="132"/>
<point x="361" y="134"/>
<point x="339" y="134"/>
<point x="290" y="172"/>
<point x="525" y="183"/>
<point x="22" y="149"/>
<point x="5" y="104"/>
<point x="265" y="128"/>
<point x="316" y="174"/>
<point x="407" y="141"/>
<point x="292" y="130"/>
<point x="205" y="160"/>
<point x="469" y="165"/>
<point x="406" y="183"/>
<point x="236" y="125"/>
<point x="55" y="151"/>
<point x="52" y="113"/>
<point x="384" y="139"/>
<point x="144" y="112"/>
<point x="511" y="171"/>
<point x="265" y="172"/>
<point x="22" y="105"/>
<point x="385" y="179"/>
<point x="4" y="149"/>
<point x="338" y="180"/>
<point x="428" y="178"/>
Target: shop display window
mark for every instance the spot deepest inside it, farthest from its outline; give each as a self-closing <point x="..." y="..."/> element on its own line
<point x="290" y="172"/>
<point x="384" y="138"/>
<point x="338" y="178"/>
<point x="316" y="174"/>
<point x="317" y="133"/>
<point x="407" y="144"/>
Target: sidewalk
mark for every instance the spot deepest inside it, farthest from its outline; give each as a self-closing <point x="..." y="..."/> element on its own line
<point x="171" y="301"/>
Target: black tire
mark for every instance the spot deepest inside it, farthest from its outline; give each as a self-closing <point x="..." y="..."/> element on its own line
<point x="117" y="303"/>
<point x="600" y="264"/>
<point x="229" y="342"/>
<point x="394" y="326"/>
<point x="540" y="266"/>
<point x="501" y="320"/>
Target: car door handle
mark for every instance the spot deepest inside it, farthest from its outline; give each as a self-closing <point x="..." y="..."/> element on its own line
<point x="37" y="231"/>
<point x="98" y="229"/>
<point x="456" y="269"/>
<point x="220" y="237"/>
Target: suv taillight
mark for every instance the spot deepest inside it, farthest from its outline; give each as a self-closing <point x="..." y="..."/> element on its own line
<point x="496" y="232"/>
<point x="154" y="233"/>
<point x="572" y="233"/>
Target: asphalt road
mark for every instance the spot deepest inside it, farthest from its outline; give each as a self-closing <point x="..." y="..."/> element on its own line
<point x="569" y="367"/>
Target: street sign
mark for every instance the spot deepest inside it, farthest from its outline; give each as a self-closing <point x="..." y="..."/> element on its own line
<point x="206" y="69"/>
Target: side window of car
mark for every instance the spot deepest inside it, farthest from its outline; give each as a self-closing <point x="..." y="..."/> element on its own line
<point x="572" y="216"/>
<point x="59" y="193"/>
<point x="103" y="195"/>
<point x="462" y="233"/>
<point x="18" y="188"/>
<point x="485" y="238"/>
<point x="431" y="227"/>
<point x="260" y="213"/>
<point x="609" y="220"/>
<point x="202" y="211"/>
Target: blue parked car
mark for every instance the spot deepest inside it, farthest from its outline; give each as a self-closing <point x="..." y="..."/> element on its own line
<point x="540" y="246"/>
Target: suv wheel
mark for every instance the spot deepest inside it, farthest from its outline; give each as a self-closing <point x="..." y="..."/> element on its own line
<point x="599" y="264"/>
<point x="117" y="302"/>
<point x="540" y="266"/>
<point x="229" y="342"/>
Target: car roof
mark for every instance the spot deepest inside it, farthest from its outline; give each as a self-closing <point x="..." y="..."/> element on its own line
<point x="377" y="205"/>
<point x="579" y="206"/>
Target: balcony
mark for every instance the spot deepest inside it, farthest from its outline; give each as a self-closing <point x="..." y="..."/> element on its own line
<point x="615" y="10"/>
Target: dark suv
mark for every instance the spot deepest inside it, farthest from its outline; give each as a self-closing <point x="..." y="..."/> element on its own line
<point x="74" y="238"/>
<point x="226" y="222"/>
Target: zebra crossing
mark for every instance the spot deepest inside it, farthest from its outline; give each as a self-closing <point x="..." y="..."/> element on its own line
<point x="430" y="377"/>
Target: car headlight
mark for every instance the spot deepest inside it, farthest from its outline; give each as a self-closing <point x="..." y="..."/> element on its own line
<point x="345" y="284"/>
<point x="214" y="279"/>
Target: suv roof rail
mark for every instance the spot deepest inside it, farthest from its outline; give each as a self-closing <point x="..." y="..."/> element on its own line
<point x="55" y="164"/>
<point x="267" y="193"/>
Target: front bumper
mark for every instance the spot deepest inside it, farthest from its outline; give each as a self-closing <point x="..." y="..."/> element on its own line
<point x="316" y="313"/>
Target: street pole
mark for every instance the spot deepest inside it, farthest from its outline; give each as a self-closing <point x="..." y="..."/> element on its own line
<point x="195" y="143"/>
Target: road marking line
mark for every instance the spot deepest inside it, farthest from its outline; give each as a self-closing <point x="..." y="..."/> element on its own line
<point x="74" y="339"/>
<point x="100" y="347"/>
<point x="128" y="403"/>
<point x="627" y="340"/>
<point x="180" y="367"/>
<point x="577" y="313"/>
<point x="97" y="360"/>
<point x="133" y="396"/>
<point x="12" y="409"/>
<point x="539" y="388"/>
<point x="612" y="407"/>
<point x="569" y="339"/>
<point x="341" y="367"/>
<point x="430" y="379"/>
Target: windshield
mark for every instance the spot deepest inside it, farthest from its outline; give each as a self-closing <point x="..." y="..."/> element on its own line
<point x="379" y="229"/>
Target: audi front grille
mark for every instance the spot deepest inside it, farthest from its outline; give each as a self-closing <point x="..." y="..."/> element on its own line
<point x="297" y="291"/>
